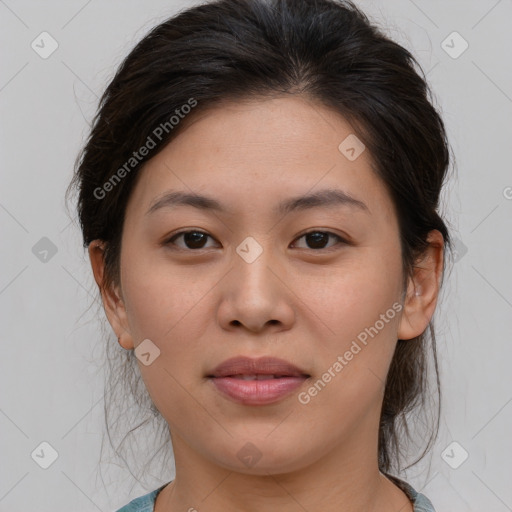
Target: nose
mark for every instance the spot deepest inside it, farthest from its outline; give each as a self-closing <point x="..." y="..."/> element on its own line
<point x="257" y="294"/>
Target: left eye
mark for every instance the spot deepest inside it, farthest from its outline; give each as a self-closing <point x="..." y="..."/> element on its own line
<point x="318" y="239"/>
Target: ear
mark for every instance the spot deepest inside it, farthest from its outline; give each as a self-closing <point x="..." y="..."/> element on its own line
<point x="423" y="289"/>
<point x="111" y="296"/>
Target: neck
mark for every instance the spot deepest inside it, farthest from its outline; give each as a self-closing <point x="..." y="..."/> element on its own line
<point x="345" y="478"/>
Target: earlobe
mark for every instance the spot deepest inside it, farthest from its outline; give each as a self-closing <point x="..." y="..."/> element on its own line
<point x="423" y="289"/>
<point x="111" y="296"/>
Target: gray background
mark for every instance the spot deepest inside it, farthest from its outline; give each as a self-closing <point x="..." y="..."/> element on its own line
<point x="51" y="390"/>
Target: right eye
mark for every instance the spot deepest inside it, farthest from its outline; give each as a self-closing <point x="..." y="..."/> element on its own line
<point x="193" y="239"/>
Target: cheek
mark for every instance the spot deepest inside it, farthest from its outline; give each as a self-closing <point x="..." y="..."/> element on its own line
<point x="360" y="309"/>
<point x="359" y="304"/>
<point x="168" y="305"/>
<point x="355" y="293"/>
<point x="159" y="296"/>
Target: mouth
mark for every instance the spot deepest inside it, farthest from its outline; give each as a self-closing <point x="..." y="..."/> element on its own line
<point x="260" y="376"/>
<point x="260" y="381"/>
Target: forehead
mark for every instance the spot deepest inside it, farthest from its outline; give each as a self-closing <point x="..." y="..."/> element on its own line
<point x="252" y="153"/>
<point x="265" y="127"/>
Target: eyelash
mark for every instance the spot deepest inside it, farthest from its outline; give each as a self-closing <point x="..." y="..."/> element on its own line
<point x="170" y="241"/>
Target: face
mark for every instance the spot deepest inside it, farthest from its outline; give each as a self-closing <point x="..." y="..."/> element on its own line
<point x="317" y="284"/>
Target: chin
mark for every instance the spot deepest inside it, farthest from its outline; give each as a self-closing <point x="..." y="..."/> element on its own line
<point x="264" y="457"/>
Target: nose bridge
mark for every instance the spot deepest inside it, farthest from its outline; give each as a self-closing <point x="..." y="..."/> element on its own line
<point x="253" y="264"/>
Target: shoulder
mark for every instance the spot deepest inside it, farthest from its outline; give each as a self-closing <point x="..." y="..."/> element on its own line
<point x="420" y="501"/>
<point x="145" y="503"/>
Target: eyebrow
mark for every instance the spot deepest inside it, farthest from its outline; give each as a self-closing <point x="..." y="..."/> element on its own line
<point x="327" y="198"/>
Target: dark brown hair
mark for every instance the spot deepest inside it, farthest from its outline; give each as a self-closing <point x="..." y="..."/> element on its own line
<point x="325" y="50"/>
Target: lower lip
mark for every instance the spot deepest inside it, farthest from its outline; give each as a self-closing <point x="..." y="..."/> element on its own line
<point x="257" y="392"/>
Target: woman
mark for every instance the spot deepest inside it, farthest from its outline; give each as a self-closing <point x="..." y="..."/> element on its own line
<point x="259" y="198"/>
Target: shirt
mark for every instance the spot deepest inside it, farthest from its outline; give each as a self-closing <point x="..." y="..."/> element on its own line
<point x="421" y="503"/>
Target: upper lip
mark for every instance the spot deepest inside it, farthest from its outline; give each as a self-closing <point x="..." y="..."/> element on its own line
<point x="260" y="366"/>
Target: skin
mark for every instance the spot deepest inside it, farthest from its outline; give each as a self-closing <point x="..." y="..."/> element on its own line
<point x="296" y="301"/>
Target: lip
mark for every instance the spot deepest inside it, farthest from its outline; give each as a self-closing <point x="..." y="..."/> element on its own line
<point x="227" y="379"/>
<point x="256" y="366"/>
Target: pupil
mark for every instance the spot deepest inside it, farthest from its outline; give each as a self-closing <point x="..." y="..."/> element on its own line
<point x="316" y="239"/>
<point x="194" y="239"/>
